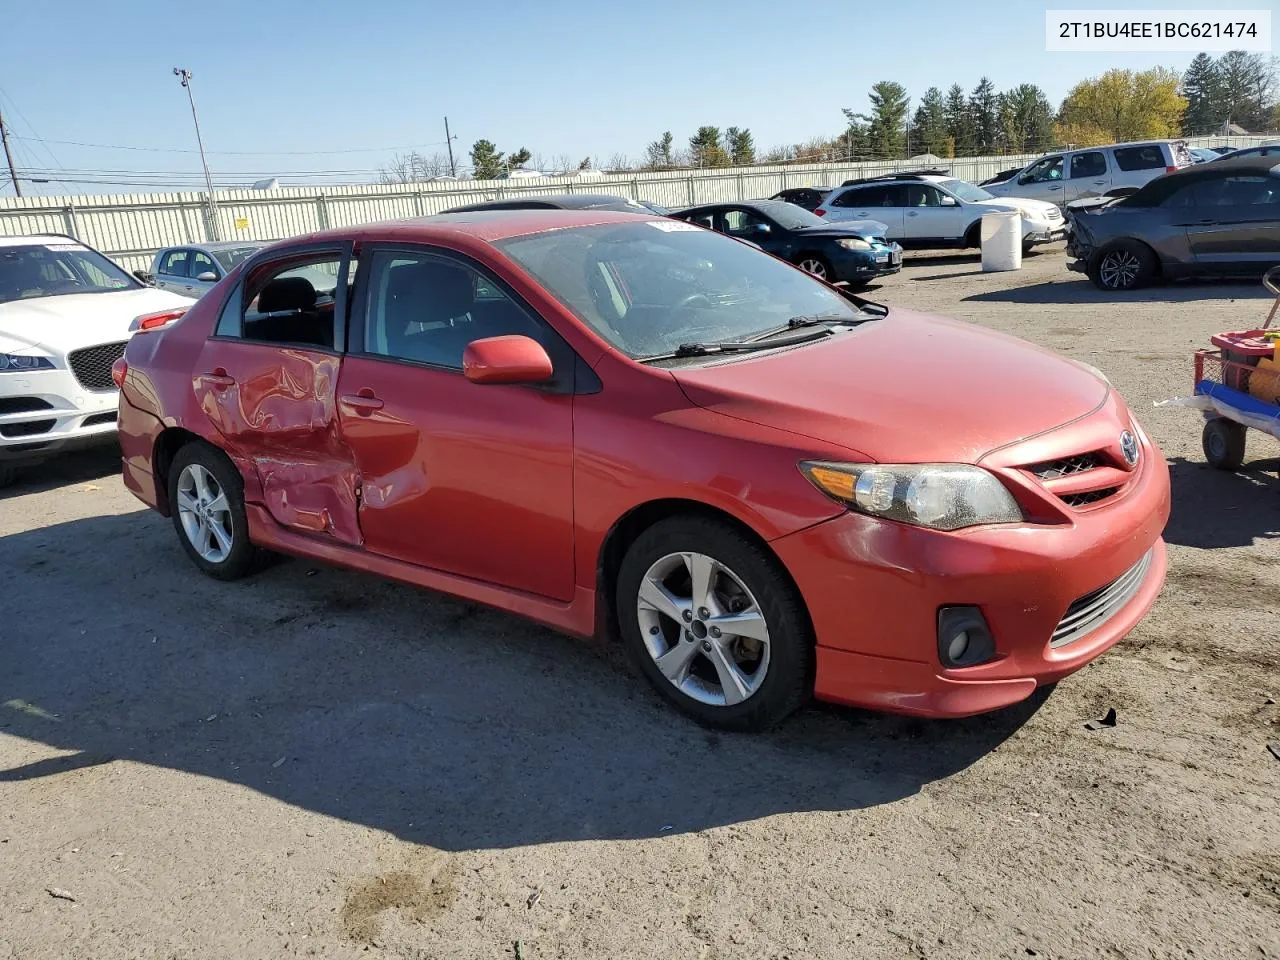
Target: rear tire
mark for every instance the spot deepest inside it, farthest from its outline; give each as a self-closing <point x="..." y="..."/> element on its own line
<point x="206" y="499"/>
<point x="1126" y="265"/>
<point x="1224" y="441"/>
<point x="742" y="643"/>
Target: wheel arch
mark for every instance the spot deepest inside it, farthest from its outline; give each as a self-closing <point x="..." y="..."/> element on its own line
<point x="168" y="443"/>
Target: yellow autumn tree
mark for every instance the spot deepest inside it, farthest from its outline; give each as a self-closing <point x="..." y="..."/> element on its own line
<point x="1125" y="105"/>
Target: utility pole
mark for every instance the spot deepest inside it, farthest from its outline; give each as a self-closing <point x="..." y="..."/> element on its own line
<point x="208" y="181"/>
<point x="13" y="173"/>
<point x="453" y="167"/>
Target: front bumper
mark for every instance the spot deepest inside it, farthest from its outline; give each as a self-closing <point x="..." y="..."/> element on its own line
<point x="859" y="266"/>
<point x="43" y="412"/>
<point x="874" y="589"/>
<point x="1050" y="232"/>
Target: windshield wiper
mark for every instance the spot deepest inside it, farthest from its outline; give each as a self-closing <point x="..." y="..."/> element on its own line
<point x="795" y="323"/>
<point x="713" y="347"/>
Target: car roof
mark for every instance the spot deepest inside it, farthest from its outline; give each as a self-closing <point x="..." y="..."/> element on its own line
<point x="17" y="241"/>
<point x="764" y="206"/>
<point x="1164" y="185"/>
<point x="562" y="201"/>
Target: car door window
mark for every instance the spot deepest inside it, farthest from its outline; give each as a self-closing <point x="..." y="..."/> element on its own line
<point x="854" y="198"/>
<point x="425" y="309"/>
<point x="702" y="219"/>
<point x="202" y="263"/>
<point x="923" y="195"/>
<point x="1238" y="192"/>
<point x="287" y="303"/>
<point x="1149" y="157"/>
<point x="742" y="223"/>
<point x="1090" y="163"/>
<point x="1048" y="170"/>
<point x="888" y="195"/>
<point x="175" y="263"/>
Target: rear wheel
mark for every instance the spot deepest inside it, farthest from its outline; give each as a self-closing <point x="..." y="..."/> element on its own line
<point x="1123" y="266"/>
<point x="715" y="624"/>
<point x="1223" y="441"/>
<point x="206" y="500"/>
<point x="817" y="265"/>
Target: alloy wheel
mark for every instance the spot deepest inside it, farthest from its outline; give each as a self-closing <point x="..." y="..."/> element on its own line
<point x="815" y="267"/>
<point x="205" y="513"/>
<point x="703" y="628"/>
<point x="1119" y="269"/>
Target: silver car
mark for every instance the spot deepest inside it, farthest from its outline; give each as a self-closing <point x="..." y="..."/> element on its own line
<point x="193" y="269"/>
<point x="1114" y="171"/>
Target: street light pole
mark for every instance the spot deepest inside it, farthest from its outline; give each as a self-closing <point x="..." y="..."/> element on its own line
<point x="13" y="174"/>
<point x="208" y="180"/>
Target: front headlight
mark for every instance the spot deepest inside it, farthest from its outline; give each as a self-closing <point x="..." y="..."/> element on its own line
<point x="944" y="496"/>
<point x="16" y="363"/>
<point x="854" y="243"/>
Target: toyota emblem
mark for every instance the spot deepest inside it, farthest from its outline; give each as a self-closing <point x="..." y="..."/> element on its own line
<point x="1129" y="447"/>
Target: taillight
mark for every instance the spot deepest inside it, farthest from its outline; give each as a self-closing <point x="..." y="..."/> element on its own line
<point x="119" y="370"/>
<point x="820" y="212"/>
<point x="1173" y="169"/>
<point x="153" y="321"/>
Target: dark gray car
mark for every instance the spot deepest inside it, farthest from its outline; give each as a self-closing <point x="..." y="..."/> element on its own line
<point x="1212" y="219"/>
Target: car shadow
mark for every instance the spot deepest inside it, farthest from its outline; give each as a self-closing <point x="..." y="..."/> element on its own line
<point x="1074" y="289"/>
<point x="1214" y="508"/>
<point x="437" y="721"/>
<point x="81" y="466"/>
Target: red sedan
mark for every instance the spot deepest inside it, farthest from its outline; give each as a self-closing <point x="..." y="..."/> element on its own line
<point x="770" y="488"/>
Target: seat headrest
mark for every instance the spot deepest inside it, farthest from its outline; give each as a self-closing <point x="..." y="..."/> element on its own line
<point x="287" y="293"/>
<point x="429" y="290"/>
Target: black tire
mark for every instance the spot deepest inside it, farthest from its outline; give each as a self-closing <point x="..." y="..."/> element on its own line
<point x="243" y="558"/>
<point x="1223" y="441"/>
<point x="973" y="236"/>
<point x="788" y="680"/>
<point x="1124" y="265"/>
<point x="820" y="262"/>
<point x="7" y="474"/>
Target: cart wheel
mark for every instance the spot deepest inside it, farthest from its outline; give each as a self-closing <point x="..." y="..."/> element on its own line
<point x="1223" y="442"/>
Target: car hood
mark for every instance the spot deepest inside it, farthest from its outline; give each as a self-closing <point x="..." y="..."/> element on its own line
<point x="910" y="388"/>
<point x="847" y="228"/>
<point x="1037" y="208"/>
<point x="64" y="323"/>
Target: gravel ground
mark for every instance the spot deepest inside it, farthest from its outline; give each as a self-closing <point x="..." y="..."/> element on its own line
<point x="318" y="763"/>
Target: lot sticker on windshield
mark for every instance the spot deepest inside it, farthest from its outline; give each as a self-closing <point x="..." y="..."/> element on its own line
<point x="64" y="246"/>
<point x="670" y="226"/>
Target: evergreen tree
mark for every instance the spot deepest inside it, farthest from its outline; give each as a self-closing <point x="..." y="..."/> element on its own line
<point x="929" y="127"/>
<point x="984" y="117"/>
<point x="1201" y="87"/>
<point x="742" y="147"/>
<point x="956" y="110"/>
<point x="705" y="148"/>
<point x="658" y="155"/>
<point x="486" y="160"/>
<point x="887" y="118"/>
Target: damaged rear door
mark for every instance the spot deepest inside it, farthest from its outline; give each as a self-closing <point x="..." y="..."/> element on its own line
<point x="267" y="381"/>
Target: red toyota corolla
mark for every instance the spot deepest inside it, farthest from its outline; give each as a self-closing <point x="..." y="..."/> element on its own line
<point x="771" y="488"/>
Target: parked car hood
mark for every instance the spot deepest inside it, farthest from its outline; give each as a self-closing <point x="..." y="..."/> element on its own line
<point x="910" y="388"/>
<point x="847" y="228"/>
<point x="63" y="323"/>
<point x="1037" y="208"/>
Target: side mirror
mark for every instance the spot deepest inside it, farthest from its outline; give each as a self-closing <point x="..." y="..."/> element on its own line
<point x="950" y="202"/>
<point x="208" y="277"/>
<point x="509" y="359"/>
<point x="1025" y="179"/>
<point x="147" y="278"/>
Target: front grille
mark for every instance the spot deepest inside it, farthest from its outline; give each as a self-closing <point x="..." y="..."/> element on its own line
<point x="98" y="418"/>
<point x="1094" y="609"/>
<point x="23" y="404"/>
<point x="1088" y="497"/>
<point x="1053" y="469"/>
<point x="29" y="429"/>
<point x="92" y="365"/>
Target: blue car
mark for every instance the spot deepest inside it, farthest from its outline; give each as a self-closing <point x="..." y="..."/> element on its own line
<point x="854" y="252"/>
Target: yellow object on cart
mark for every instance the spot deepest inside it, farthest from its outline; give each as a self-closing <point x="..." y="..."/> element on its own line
<point x="1264" y="380"/>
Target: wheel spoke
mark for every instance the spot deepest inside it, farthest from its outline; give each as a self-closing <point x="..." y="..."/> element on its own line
<point x="702" y="574"/>
<point x="656" y="596"/>
<point x="674" y="664"/>
<point x="186" y="502"/>
<point x="220" y="534"/>
<point x="219" y="504"/>
<point x="203" y="536"/>
<point x="733" y="684"/>
<point x="201" y="478"/>
<point x="749" y="624"/>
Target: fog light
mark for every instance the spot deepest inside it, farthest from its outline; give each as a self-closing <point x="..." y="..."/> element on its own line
<point x="964" y="639"/>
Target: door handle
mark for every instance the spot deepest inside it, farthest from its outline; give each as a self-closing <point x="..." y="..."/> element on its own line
<point x="362" y="403"/>
<point x="1100" y="183"/>
<point x="219" y="379"/>
<point x="913" y="214"/>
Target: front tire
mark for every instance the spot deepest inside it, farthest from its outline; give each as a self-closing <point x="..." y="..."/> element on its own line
<point x="206" y="501"/>
<point x="1223" y="441"/>
<point x="715" y="624"/>
<point x="1126" y="265"/>
<point x="816" y="265"/>
<point x="7" y="474"/>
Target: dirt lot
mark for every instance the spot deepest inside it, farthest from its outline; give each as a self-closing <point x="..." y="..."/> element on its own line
<point x="316" y="763"/>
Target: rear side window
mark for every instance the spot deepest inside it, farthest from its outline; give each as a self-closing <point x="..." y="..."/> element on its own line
<point x="1149" y="157"/>
<point x="1090" y="164"/>
<point x="174" y="263"/>
<point x="885" y="196"/>
<point x="289" y="303"/>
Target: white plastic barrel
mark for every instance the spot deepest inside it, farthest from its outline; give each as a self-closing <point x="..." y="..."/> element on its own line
<point x="1001" y="241"/>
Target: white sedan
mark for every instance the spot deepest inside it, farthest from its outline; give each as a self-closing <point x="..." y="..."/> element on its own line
<point x="66" y="312"/>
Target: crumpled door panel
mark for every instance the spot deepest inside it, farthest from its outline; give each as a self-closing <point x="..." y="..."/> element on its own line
<point x="276" y="408"/>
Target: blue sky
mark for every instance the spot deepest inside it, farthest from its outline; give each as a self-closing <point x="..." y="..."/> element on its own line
<point x="303" y="81"/>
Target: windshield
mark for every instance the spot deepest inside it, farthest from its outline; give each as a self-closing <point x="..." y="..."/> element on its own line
<point x="965" y="191"/>
<point x="788" y="215"/>
<point x="234" y="256"/>
<point x="54" y="269"/>
<point x="651" y="286"/>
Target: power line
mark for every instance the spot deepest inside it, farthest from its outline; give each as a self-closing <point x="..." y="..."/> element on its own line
<point x="235" y="153"/>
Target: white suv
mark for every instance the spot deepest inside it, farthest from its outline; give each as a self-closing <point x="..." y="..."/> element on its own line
<point x="66" y="312"/>
<point x="929" y="210"/>
<point x="1114" y="171"/>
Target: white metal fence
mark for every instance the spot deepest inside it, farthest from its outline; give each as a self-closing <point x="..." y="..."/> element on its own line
<point x="130" y="228"/>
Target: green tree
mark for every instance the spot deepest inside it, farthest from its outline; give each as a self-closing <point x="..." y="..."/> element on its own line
<point x="742" y="146"/>
<point x="984" y="117"/>
<point x="959" y="129"/>
<point x="854" y="143"/>
<point x="659" y="155"/>
<point x="1126" y="105"/>
<point x="1201" y="88"/>
<point x="886" y="120"/>
<point x="1026" y="120"/>
<point x="705" y="148"/>
<point x="1246" y="89"/>
<point x="486" y="160"/>
<point x="929" y="127"/>
<point x="518" y="159"/>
